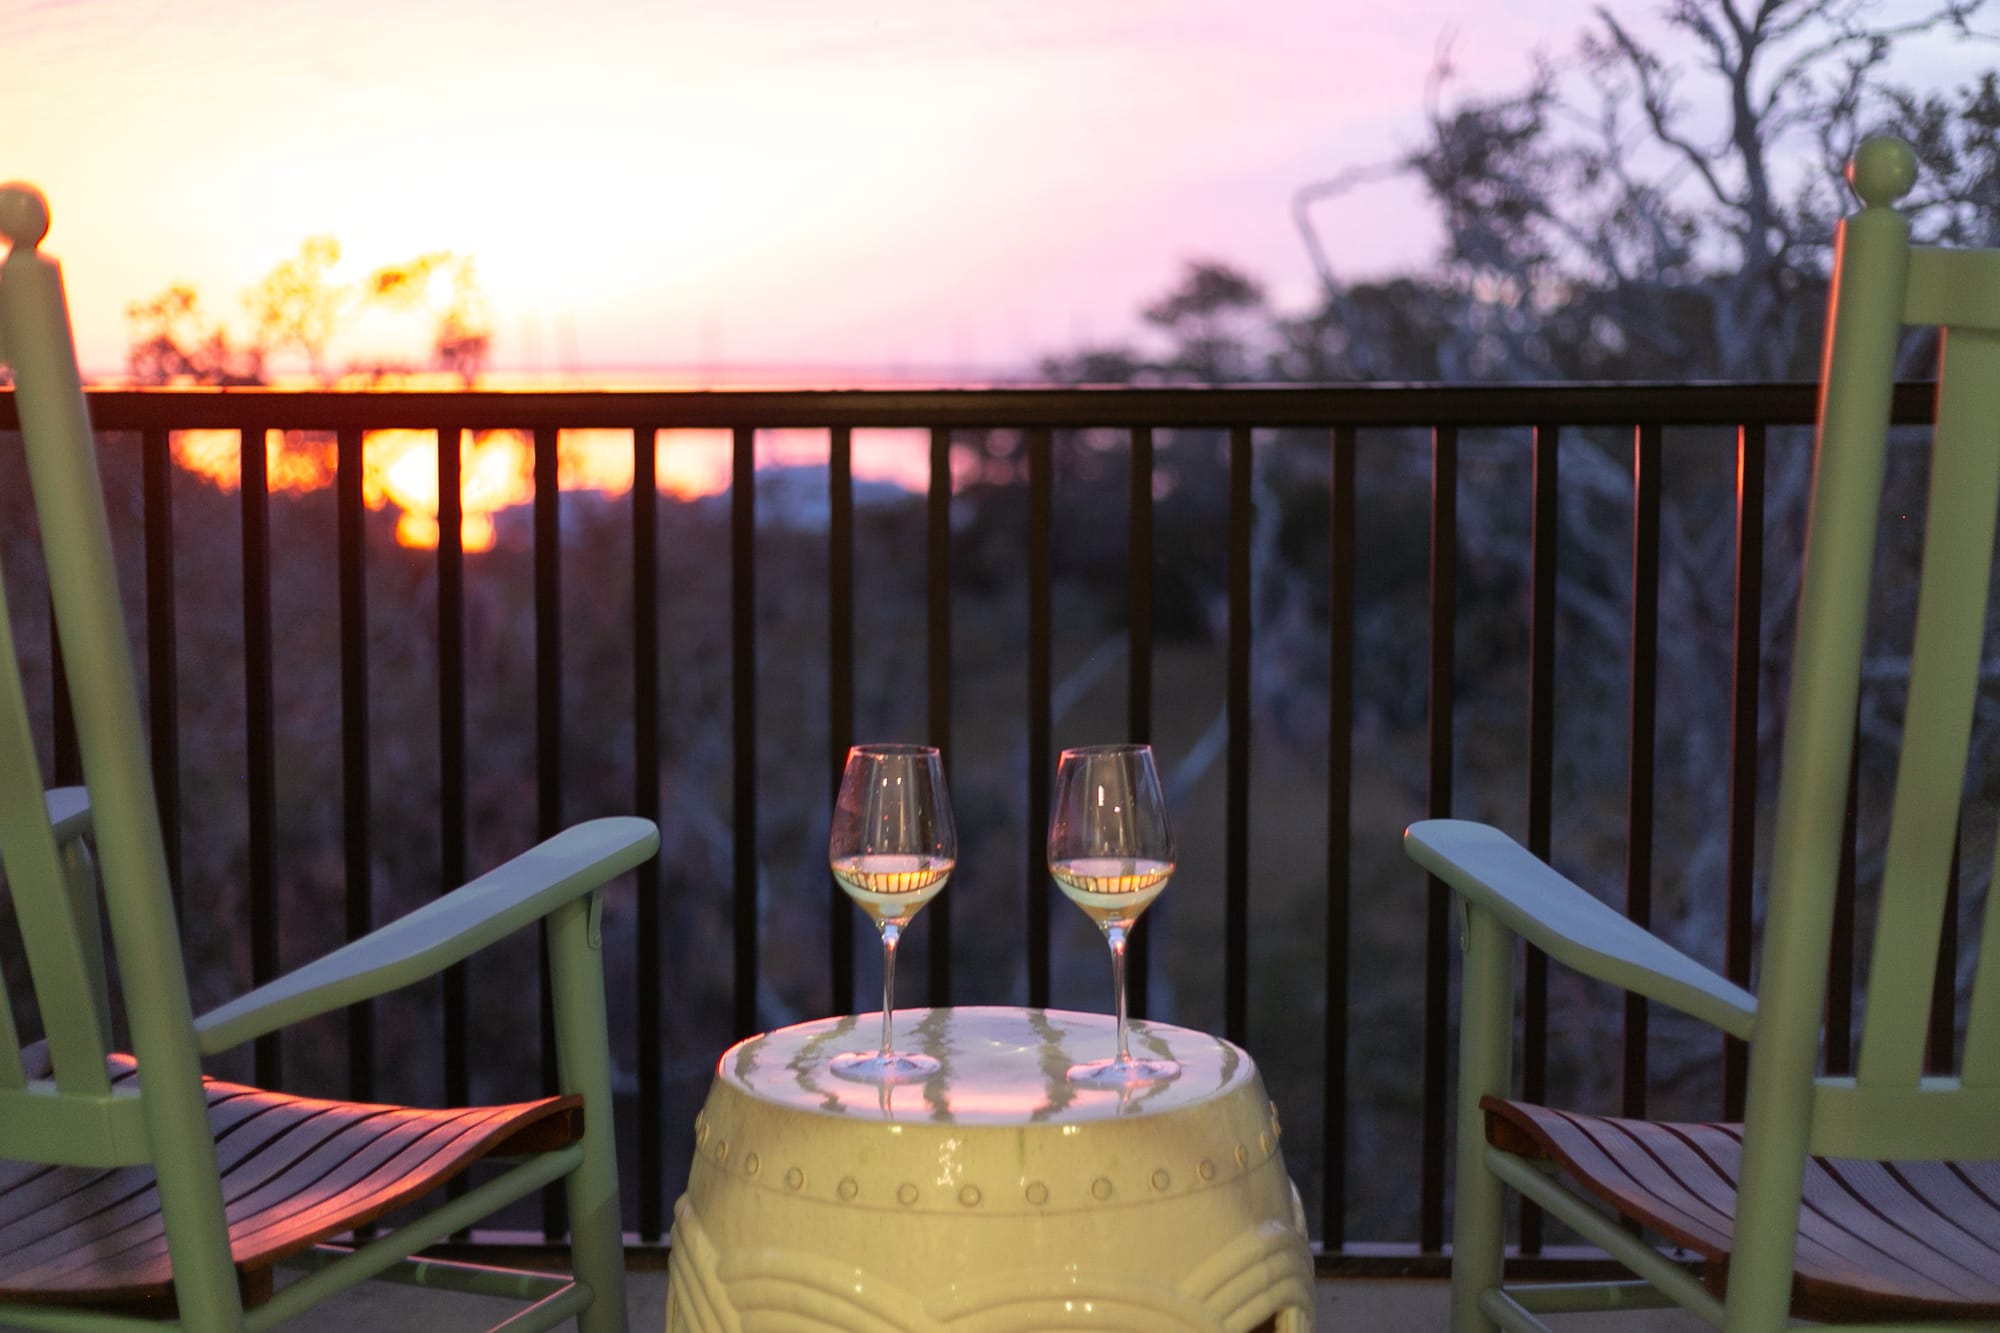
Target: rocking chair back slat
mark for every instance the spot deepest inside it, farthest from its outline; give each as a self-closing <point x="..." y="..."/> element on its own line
<point x="128" y="1182"/>
<point x="1862" y="1198"/>
<point x="1944" y="679"/>
<point x="97" y="664"/>
<point x="65" y="983"/>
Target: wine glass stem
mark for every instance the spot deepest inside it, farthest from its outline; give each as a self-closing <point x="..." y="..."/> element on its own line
<point x="1115" y="937"/>
<point x="891" y="932"/>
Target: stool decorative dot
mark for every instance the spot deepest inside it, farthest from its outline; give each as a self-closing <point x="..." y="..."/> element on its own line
<point x="1161" y="1180"/>
<point x="1264" y="1144"/>
<point x="1206" y="1170"/>
<point x="969" y="1196"/>
<point x="1242" y="1155"/>
<point x="847" y="1189"/>
<point x="1100" y="1188"/>
<point x="906" y="1194"/>
<point x="722" y="1151"/>
<point x="752" y="1165"/>
<point x="795" y="1179"/>
<point x="1037" y="1192"/>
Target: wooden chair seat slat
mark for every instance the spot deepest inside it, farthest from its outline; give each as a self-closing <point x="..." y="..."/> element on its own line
<point x="1884" y="1240"/>
<point x="1889" y="1193"/>
<point x="286" y="1162"/>
<point x="295" y="1171"/>
<point x="67" y="1203"/>
<point x="293" y="1221"/>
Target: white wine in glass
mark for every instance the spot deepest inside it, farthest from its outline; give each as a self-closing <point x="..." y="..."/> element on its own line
<point x="892" y="847"/>
<point x="1111" y="852"/>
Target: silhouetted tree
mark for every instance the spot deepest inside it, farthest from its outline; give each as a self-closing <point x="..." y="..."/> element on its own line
<point x="300" y="307"/>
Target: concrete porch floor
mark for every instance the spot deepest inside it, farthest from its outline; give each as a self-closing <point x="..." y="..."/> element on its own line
<point x="1365" y="1306"/>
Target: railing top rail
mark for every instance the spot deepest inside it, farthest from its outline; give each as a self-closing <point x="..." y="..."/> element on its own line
<point x="1377" y="405"/>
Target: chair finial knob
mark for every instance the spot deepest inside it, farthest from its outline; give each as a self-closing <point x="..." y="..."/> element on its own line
<point x="24" y="215"/>
<point x="1882" y="170"/>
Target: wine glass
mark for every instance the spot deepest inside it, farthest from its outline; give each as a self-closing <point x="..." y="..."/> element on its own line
<point x="1111" y="852"/>
<point x="892" y="848"/>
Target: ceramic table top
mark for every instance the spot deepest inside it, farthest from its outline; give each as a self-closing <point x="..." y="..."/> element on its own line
<point x="997" y="1066"/>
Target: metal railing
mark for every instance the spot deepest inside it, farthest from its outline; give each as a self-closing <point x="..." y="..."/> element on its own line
<point x="1538" y="418"/>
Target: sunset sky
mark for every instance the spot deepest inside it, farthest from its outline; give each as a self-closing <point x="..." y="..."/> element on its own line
<point x="872" y="184"/>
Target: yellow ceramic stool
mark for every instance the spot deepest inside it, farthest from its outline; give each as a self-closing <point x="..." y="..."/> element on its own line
<point x="993" y="1197"/>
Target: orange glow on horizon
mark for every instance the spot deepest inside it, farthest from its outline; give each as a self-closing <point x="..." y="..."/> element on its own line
<point x="400" y="468"/>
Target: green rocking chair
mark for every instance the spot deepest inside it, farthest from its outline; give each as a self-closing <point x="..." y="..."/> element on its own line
<point x="135" y="1193"/>
<point x="1869" y="1201"/>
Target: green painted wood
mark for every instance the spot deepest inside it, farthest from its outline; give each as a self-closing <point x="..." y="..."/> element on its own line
<point x="1559" y="917"/>
<point x="39" y="888"/>
<point x="38" y="1124"/>
<point x="583" y="1067"/>
<point x="1938" y="1119"/>
<point x="1937" y="723"/>
<point x="1899" y="1155"/>
<point x="139" y="1172"/>
<point x="1606" y="1234"/>
<point x="1864" y="311"/>
<point x="1485" y="1042"/>
<point x="440" y="933"/>
<point x="372" y="1258"/>
<point x="1952" y="289"/>
<point x="1504" y="1312"/>
<point x="575" y="1300"/>
<point x="450" y="1274"/>
<point x="62" y="469"/>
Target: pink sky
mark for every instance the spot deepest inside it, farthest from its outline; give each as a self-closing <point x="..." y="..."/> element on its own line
<point x="888" y="184"/>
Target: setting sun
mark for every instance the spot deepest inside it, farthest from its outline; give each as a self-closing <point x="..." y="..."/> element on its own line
<point x="400" y="467"/>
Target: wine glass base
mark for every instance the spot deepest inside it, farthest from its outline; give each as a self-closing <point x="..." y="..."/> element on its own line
<point x="1122" y="1073"/>
<point x="883" y="1067"/>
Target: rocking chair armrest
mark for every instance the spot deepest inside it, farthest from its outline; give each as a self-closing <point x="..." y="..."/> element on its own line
<point x="69" y="812"/>
<point x="1497" y="874"/>
<point x="442" y="932"/>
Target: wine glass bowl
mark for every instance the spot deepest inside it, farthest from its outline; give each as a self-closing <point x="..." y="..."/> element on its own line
<point x="891" y="848"/>
<point x="1111" y="852"/>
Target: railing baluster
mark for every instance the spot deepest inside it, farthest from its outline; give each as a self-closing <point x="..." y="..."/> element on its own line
<point x="548" y="635"/>
<point x="260" y="733"/>
<point x="67" y="770"/>
<point x="356" y="797"/>
<point x="1236" y="846"/>
<point x="1041" y="490"/>
<point x="1840" y="957"/>
<point x="451" y="743"/>
<point x="1745" y="671"/>
<point x="1437" y="902"/>
<point x="1139" y="669"/>
<point x="1339" y="840"/>
<point x="840" y="684"/>
<point x="1940" y="1042"/>
<point x="937" y="535"/>
<point x="548" y="745"/>
<point x="646" y="804"/>
<point x="1544" y="526"/>
<point x="155" y="416"/>
<point x="1643" y="704"/>
<point x="162" y="640"/>
<point x="743" y="691"/>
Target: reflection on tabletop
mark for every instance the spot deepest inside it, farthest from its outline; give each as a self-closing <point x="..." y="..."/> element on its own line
<point x="996" y="1066"/>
